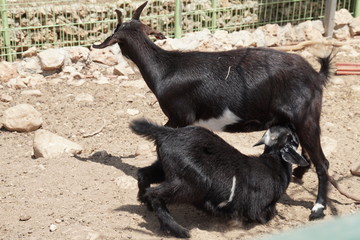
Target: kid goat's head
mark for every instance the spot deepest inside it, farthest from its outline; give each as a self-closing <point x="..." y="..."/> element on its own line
<point x="123" y="31"/>
<point x="284" y="140"/>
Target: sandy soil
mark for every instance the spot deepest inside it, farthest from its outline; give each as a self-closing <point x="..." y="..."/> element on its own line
<point x="95" y="193"/>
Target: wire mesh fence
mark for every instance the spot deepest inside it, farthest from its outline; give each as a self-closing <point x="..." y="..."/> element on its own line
<point x="44" y="24"/>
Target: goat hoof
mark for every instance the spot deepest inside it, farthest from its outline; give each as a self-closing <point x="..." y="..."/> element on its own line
<point x="177" y="231"/>
<point x="316" y="215"/>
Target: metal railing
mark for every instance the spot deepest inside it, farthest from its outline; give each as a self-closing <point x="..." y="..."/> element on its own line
<point x="44" y="24"/>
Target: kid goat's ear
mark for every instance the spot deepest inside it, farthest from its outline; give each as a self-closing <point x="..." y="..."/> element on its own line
<point x="289" y="154"/>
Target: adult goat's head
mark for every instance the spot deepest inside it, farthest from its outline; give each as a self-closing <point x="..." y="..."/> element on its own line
<point x="124" y="30"/>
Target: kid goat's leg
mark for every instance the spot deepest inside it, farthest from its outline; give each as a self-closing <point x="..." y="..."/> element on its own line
<point x="158" y="197"/>
<point x="148" y="175"/>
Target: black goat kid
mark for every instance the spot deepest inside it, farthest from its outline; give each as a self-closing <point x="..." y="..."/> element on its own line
<point x="249" y="89"/>
<point x="197" y="167"/>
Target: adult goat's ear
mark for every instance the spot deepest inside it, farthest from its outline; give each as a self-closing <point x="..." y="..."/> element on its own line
<point x="150" y="31"/>
<point x="108" y="42"/>
<point x="289" y="154"/>
<point x="137" y="13"/>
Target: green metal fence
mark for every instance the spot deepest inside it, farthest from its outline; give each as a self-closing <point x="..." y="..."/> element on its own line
<point x="44" y="24"/>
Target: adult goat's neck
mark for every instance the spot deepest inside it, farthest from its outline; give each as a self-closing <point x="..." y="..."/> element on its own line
<point x="152" y="61"/>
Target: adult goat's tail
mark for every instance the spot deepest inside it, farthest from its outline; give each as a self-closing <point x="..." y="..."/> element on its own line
<point x="325" y="68"/>
<point x="148" y="129"/>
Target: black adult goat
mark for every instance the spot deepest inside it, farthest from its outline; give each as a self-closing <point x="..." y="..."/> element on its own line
<point x="241" y="90"/>
<point x="197" y="167"/>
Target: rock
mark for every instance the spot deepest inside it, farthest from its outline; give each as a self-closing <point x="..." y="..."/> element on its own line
<point x="76" y="83"/>
<point x="29" y="53"/>
<point x="126" y="182"/>
<point x="7" y="71"/>
<point x="259" y="37"/>
<point x="6" y="98"/>
<point x="142" y="149"/>
<point x="24" y="217"/>
<point x="356" y="88"/>
<point x="75" y="232"/>
<point x="52" y="227"/>
<point x="343" y="17"/>
<point x="355" y="26"/>
<point x="140" y="84"/>
<point x="52" y="59"/>
<point x="104" y="56"/>
<point x="329" y="145"/>
<point x="337" y="81"/>
<point x="78" y="54"/>
<point x="342" y="33"/>
<point x="34" y="92"/>
<point x="132" y="112"/>
<point x="355" y="169"/>
<point x="22" y="118"/>
<point x="184" y="44"/>
<point x="47" y="144"/>
<point x="84" y="97"/>
<point x="242" y="39"/>
<point x="121" y="70"/>
<point x="102" y="80"/>
<point x="30" y="65"/>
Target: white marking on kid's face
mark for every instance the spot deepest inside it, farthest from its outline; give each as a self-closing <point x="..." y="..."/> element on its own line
<point x="317" y="206"/>
<point x="232" y="194"/>
<point x="217" y="124"/>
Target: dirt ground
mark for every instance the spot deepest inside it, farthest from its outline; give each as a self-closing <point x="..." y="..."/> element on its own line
<point x="95" y="193"/>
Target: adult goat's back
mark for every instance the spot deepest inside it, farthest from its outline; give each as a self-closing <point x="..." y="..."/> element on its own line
<point x="241" y="90"/>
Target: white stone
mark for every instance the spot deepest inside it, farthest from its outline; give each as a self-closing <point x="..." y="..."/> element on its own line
<point x="356" y="88"/>
<point x="7" y="71"/>
<point x="29" y="53"/>
<point x="102" y="80"/>
<point x="52" y="227"/>
<point x="75" y="232"/>
<point x="126" y="182"/>
<point x="343" y="17"/>
<point x="355" y="26"/>
<point x="104" y="56"/>
<point x="22" y="118"/>
<point x="30" y="65"/>
<point x="337" y="81"/>
<point x="34" y="92"/>
<point x="143" y="148"/>
<point x="132" y="112"/>
<point x="355" y="169"/>
<point x="342" y="33"/>
<point x="121" y="70"/>
<point x="259" y="37"/>
<point x="78" y="54"/>
<point x="6" y="98"/>
<point x="52" y="59"/>
<point x="140" y="84"/>
<point x="47" y="144"/>
<point x="329" y="145"/>
<point x="84" y="97"/>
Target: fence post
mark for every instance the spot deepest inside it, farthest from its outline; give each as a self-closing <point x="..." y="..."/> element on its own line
<point x="177" y="20"/>
<point x="213" y="20"/>
<point x="357" y="9"/>
<point x="3" y="10"/>
<point x="330" y="8"/>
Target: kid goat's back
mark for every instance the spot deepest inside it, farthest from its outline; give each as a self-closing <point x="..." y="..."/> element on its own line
<point x="197" y="167"/>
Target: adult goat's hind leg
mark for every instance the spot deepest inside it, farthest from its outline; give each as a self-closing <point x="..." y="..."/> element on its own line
<point x="309" y="135"/>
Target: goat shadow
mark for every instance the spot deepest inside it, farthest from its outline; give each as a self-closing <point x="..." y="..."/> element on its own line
<point x="107" y="159"/>
<point x="187" y="216"/>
